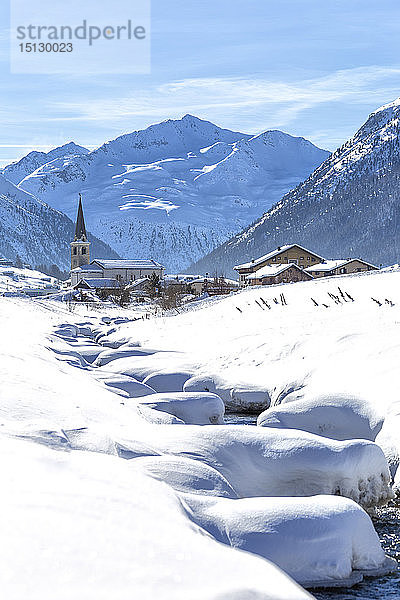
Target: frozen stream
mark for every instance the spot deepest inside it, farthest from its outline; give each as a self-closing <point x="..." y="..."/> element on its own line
<point x="387" y="524"/>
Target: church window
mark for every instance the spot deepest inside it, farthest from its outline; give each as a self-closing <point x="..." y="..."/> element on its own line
<point x="83" y="250"/>
<point x="75" y="250"/>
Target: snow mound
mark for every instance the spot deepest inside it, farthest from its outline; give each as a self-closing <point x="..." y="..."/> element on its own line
<point x="139" y="367"/>
<point x="186" y="475"/>
<point x="319" y="541"/>
<point x="339" y="417"/>
<point x="167" y="381"/>
<point x="128" y="385"/>
<point x="199" y="408"/>
<point x="107" y="356"/>
<point x="157" y="417"/>
<point x="239" y="398"/>
<point x="208" y="383"/>
<point x="261" y="461"/>
<point x="389" y="440"/>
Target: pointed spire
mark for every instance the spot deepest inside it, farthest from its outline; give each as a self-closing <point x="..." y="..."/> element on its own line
<point x="80" y="229"/>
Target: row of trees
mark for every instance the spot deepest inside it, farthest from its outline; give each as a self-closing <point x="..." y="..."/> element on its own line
<point x="166" y="296"/>
<point x="51" y="270"/>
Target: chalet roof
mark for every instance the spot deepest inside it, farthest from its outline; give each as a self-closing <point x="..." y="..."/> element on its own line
<point x="329" y="265"/>
<point x="272" y="254"/>
<point x="127" y="264"/>
<point x="80" y="229"/>
<point x="272" y="271"/>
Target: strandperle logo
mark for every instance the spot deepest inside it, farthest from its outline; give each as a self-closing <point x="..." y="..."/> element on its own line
<point x="80" y="36"/>
<point x="84" y="31"/>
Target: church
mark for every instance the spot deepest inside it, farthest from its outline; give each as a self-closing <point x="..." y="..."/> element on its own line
<point x="100" y="272"/>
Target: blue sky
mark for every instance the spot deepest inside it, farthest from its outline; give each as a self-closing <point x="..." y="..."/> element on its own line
<point x="310" y="68"/>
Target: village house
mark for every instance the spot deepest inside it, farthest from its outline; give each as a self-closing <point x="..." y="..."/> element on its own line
<point x="122" y="271"/>
<point x="118" y="273"/>
<point x="97" y="284"/>
<point x="293" y="263"/>
<point x="198" y="284"/>
<point x="292" y="254"/>
<point x="271" y="275"/>
<point x="327" y="268"/>
<point x="214" y="286"/>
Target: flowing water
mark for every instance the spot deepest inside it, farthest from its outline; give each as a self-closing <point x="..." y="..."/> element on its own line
<point x="387" y="525"/>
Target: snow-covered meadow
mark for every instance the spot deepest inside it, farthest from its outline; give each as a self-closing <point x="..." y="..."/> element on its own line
<point x="16" y="281"/>
<point x="121" y="479"/>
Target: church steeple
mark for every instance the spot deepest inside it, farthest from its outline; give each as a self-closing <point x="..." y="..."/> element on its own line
<point x="80" y="245"/>
<point x="80" y="229"/>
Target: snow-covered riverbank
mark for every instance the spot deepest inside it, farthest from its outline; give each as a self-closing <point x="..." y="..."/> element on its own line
<point x="252" y="507"/>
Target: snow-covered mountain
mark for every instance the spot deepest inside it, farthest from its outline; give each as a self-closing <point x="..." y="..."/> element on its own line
<point x="176" y="190"/>
<point x="37" y="232"/>
<point x="349" y="206"/>
<point x="16" y="171"/>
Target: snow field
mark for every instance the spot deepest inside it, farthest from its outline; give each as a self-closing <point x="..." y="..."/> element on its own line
<point x="298" y="352"/>
<point x="90" y="526"/>
<point x="256" y="489"/>
<point x="357" y="470"/>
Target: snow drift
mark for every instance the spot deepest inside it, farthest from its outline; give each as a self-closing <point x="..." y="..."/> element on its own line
<point x="319" y="541"/>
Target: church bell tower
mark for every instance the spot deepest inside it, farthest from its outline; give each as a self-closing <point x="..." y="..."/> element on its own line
<point x="80" y="245"/>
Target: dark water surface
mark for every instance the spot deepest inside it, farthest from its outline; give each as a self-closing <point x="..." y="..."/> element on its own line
<point x="387" y="525"/>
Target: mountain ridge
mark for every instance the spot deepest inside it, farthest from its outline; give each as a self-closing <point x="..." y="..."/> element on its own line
<point x="349" y="206"/>
<point x="18" y="170"/>
<point x="177" y="189"/>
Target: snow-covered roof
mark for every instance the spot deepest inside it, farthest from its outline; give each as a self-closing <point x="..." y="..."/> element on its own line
<point x="330" y="265"/>
<point x="137" y="283"/>
<point x="92" y="268"/>
<point x="180" y="277"/>
<point x="102" y="282"/>
<point x="128" y="264"/>
<point x="271" y="271"/>
<point x="222" y="280"/>
<point x="276" y="252"/>
<point x="231" y="281"/>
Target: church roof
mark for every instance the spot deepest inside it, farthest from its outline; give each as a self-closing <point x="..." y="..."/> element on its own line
<point x="92" y="268"/>
<point x="127" y="264"/>
<point x="80" y="229"/>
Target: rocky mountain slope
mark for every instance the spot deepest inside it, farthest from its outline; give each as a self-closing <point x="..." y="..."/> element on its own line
<point x="349" y="206"/>
<point x="178" y="189"/>
<point x="37" y="232"/>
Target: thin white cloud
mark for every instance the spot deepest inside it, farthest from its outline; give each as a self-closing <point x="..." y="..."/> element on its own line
<point x="284" y="101"/>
